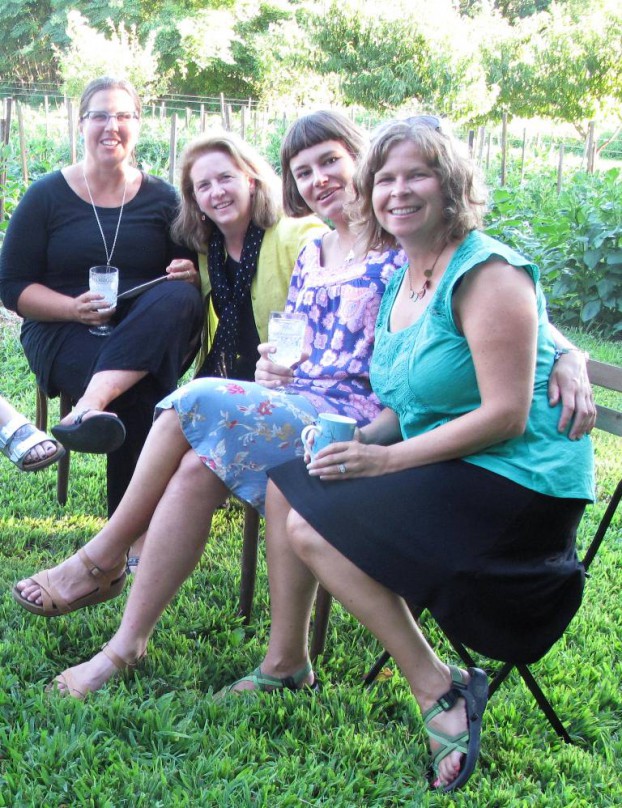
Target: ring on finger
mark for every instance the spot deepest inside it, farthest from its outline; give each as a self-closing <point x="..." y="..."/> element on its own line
<point x="342" y="468"/>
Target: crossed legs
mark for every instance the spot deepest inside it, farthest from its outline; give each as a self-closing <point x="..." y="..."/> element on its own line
<point x="172" y="495"/>
<point x="298" y="557"/>
<point x="173" y="546"/>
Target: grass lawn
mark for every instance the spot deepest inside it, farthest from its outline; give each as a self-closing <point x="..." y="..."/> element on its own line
<point x="156" y="738"/>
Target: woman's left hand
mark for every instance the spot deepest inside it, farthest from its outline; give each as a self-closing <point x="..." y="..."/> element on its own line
<point x="569" y="383"/>
<point x="345" y="461"/>
<point x="182" y="269"/>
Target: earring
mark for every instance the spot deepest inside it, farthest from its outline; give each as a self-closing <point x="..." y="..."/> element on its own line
<point x="203" y="217"/>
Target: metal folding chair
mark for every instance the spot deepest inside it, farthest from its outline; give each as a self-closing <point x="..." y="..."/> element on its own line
<point x="608" y="377"/>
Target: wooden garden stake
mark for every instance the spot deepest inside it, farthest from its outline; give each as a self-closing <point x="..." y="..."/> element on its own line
<point x="71" y="130"/>
<point x="22" y="142"/>
<point x="504" y="146"/>
<point x="172" y="149"/>
<point x="590" y="148"/>
<point x="522" y="159"/>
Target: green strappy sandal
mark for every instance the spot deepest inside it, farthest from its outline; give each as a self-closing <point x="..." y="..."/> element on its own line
<point x="263" y="682"/>
<point x="475" y="694"/>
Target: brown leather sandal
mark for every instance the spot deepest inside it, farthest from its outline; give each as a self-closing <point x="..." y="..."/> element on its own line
<point x="107" y="585"/>
<point x="67" y="679"/>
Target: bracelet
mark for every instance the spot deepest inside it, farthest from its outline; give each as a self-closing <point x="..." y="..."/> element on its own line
<point x="559" y="352"/>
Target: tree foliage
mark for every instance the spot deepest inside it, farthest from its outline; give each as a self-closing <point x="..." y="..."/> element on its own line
<point x="91" y="53"/>
<point x="560" y="65"/>
<point x="402" y="58"/>
<point x="466" y="59"/>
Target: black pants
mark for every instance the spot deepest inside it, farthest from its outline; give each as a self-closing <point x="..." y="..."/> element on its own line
<point x="158" y="333"/>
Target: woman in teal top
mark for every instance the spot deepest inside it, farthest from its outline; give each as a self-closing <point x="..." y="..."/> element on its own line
<point x="462" y="496"/>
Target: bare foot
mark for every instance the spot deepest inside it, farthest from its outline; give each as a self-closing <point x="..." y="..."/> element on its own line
<point x="70" y="578"/>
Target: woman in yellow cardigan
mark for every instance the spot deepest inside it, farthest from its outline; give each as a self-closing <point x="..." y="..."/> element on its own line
<point x="233" y="218"/>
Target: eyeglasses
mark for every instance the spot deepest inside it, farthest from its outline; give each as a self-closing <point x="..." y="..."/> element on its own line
<point x="101" y="117"/>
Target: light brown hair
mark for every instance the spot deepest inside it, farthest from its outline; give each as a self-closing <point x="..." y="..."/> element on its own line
<point x="464" y="196"/>
<point x="108" y="83"/>
<point x="189" y="228"/>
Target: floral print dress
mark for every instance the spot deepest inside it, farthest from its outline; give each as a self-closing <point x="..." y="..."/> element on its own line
<point x="240" y="429"/>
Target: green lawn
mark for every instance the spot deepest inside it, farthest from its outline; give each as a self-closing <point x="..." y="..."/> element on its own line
<point x="157" y="738"/>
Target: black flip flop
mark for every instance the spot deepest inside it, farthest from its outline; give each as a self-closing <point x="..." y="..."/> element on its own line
<point x="99" y="434"/>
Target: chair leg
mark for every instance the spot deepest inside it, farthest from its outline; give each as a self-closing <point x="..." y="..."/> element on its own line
<point x="544" y="703"/>
<point x="249" y="562"/>
<point x="62" y="475"/>
<point x="372" y="673"/>
<point x="41" y="421"/>
<point x="323" y="603"/>
<point x="41" y="417"/>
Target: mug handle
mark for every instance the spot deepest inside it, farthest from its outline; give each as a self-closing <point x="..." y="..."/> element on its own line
<point x="305" y="435"/>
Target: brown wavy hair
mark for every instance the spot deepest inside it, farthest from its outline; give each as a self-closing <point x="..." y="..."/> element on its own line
<point x="188" y="227"/>
<point x="464" y="195"/>
<point x="317" y="127"/>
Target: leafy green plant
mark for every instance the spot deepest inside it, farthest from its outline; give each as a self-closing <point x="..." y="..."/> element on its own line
<point x="576" y="239"/>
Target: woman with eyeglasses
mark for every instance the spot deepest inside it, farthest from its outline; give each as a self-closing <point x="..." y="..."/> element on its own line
<point x="215" y="437"/>
<point x="103" y="210"/>
<point x="463" y="496"/>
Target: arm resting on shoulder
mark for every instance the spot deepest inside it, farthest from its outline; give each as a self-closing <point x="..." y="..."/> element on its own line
<point x="569" y="383"/>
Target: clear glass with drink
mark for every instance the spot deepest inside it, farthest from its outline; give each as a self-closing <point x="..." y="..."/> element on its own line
<point x="287" y="331"/>
<point x="105" y="281"/>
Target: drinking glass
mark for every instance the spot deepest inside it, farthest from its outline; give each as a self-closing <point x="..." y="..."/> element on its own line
<point x="105" y="281"/>
<point x="287" y="331"/>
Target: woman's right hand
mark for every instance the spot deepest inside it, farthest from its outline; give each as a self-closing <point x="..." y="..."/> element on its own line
<point x="267" y="372"/>
<point x="90" y="309"/>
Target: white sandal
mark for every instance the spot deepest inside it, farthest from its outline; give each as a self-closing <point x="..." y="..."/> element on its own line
<point x="17" y="447"/>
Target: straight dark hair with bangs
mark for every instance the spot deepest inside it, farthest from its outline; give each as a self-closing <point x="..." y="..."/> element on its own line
<point x="308" y="131"/>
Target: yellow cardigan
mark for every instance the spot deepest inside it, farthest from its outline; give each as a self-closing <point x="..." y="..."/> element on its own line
<point x="279" y="250"/>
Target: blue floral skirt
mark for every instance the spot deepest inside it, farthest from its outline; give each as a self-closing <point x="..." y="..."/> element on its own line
<point x="240" y="430"/>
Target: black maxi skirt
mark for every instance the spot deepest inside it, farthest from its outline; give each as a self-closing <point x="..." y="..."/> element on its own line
<point x="494" y="562"/>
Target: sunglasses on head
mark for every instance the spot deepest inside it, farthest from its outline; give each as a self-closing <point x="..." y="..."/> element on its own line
<point x="414" y="120"/>
<point x="427" y="120"/>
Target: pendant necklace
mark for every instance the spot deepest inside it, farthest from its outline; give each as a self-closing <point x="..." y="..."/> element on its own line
<point x="427" y="273"/>
<point x="99" y="224"/>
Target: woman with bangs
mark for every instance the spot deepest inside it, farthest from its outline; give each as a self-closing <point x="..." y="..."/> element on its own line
<point x="464" y="495"/>
<point x="217" y="436"/>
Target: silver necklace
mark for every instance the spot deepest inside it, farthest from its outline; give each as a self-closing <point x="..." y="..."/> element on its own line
<point x="99" y="224"/>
